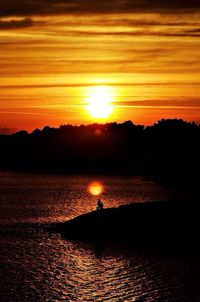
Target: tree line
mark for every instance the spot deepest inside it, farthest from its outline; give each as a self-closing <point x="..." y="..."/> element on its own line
<point x="169" y="149"/>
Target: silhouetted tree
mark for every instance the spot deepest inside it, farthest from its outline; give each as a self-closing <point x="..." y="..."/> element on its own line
<point x="169" y="149"/>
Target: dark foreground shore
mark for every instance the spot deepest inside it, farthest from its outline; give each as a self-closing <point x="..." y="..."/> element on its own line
<point x="173" y="222"/>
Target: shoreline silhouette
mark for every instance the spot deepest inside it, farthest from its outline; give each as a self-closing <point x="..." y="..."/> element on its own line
<point x="171" y="223"/>
<point x="168" y="150"/>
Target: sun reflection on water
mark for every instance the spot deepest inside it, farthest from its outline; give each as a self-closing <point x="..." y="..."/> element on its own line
<point x="96" y="188"/>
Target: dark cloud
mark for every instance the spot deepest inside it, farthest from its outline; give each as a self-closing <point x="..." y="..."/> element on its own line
<point x="194" y="30"/>
<point x="16" y="24"/>
<point x="47" y="7"/>
<point x="147" y="23"/>
<point x="118" y="84"/>
<point x="139" y="32"/>
<point x="183" y="103"/>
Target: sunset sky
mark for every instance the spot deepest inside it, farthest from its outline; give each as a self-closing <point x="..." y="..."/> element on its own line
<point x="59" y="59"/>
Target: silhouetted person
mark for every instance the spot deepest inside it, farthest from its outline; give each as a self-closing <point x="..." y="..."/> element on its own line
<point x="99" y="204"/>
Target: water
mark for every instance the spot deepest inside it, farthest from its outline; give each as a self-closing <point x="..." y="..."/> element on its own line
<point x="38" y="266"/>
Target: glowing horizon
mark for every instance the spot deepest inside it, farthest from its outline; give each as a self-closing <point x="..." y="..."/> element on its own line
<point x="146" y="57"/>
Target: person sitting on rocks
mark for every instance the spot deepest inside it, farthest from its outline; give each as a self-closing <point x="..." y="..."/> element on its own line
<point x="99" y="205"/>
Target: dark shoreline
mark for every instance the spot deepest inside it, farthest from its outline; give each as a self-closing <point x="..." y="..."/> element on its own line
<point x="162" y="223"/>
<point x="168" y="150"/>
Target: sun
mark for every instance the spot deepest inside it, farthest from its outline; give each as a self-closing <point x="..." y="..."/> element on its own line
<point x="99" y="102"/>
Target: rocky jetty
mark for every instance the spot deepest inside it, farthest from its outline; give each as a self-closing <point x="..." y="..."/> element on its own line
<point x="170" y="222"/>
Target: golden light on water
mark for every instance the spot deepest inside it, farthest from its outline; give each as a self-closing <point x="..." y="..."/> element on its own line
<point x="95" y="188"/>
<point x="99" y="101"/>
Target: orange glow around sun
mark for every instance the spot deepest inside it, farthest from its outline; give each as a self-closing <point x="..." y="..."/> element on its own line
<point x="99" y="101"/>
<point x="95" y="188"/>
